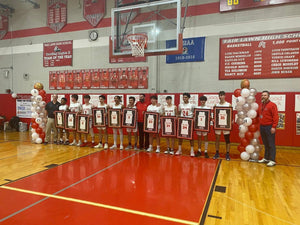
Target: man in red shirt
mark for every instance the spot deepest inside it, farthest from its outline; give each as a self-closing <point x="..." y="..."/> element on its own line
<point x="268" y="118"/>
<point x="143" y="136"/>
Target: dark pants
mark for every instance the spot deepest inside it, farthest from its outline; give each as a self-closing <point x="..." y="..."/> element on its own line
<point x="143" y="136"/>
<point x="269" y="142"/>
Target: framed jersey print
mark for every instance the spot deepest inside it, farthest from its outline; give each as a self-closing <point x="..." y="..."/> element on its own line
<point x="70" y="121"/>
<point x="99" y="117"/>
<point x="129" y="118"/>
<point x="185" y="128"/>
<point x="114" y="118"/>
<point x="151" y="122"/>
<point x="202" y="120"/>
<point x="168" y="125"/>
<point x="83" y="123"/>
<point x="223" y="118"/>
<point x="59" y="119"/>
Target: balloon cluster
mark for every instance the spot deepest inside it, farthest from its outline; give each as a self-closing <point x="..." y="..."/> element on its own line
<point x="247" y="120"/>
<point x="38" y="120"/>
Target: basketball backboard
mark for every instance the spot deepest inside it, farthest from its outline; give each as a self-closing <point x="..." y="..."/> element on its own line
<point x="159" y="20"/>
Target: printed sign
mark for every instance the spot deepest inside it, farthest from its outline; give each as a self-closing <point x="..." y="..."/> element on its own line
<point x="58" y="53"/>
<point x="23" y="108"/>
<point x="56" y="14"/>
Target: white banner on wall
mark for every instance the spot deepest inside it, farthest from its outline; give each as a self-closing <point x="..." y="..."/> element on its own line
<point x="23" y="108"/>
<point x="297" y="103"/>
<point x="279" y="100"/>
<point x="212" y="100"/>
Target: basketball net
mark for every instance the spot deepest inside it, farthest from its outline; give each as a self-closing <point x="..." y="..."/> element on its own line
<point x="137" y="43"/>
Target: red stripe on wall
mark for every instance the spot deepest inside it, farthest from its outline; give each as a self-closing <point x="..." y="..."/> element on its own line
<point x="195" y="10"/>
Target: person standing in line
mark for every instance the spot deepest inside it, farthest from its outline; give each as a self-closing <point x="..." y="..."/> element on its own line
<point x="268" y="118"/>
<point x="117" y="105"/>
<point x="170" y="110"/>
<point x="75" y="106"/>
<point x="226" y="133"/>
<point x="63" y="107"/>
<point x="141" y="106"/>
<point x="133" y="130"/>
<point x="50" y="108"/>
<point x="103" y="130"/>
<point x="186" y="109"/>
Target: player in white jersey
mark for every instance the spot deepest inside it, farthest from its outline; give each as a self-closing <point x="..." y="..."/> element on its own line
<point x="63" y="107"/>
<point x="186" y="109"/>
<point x="103" y="130"/>
<point x="203" y="100"/>
<point x="133" y="130"/>
<point x="226" y="133"/>
<point x="154" y="107"/>
<point x="170" y="110"/>
<point x="87" y="109"/>
<point x="75" y="107"/>
<point x="117" y="105"/>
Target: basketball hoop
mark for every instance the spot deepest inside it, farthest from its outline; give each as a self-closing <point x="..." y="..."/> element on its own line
<point x="137" y="43"/>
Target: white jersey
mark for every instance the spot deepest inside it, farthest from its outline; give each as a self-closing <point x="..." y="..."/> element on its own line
<point x="186" y="110"/>
<point x="225" y="104"/>
<point x="169" y="110"/>
<point x="102" y="106"/>
<point x="63" y="108"/>
<point x="154" y="108"/>
<point x="114" y="106"/>
<point x="202" y="107"/>
<point x="87" y="109"/>
<point x="75" y="107"/>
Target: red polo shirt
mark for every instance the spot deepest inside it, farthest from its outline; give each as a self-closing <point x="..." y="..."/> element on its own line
<point x="141" y="108"/>
<point x="268" y="114"/>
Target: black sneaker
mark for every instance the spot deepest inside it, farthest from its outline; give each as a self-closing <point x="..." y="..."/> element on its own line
<point x="198" y="154"/>
<point x="206" y="155"/>
<point x="66" y="143"/>
<point x="227" y="156"/>
<point x="216" y="156"/>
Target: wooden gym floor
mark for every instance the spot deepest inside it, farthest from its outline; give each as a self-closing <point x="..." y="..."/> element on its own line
<point x="55" y="184"/>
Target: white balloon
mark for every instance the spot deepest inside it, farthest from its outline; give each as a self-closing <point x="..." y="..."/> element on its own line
<point x="243" y="129"/>
<point x="38" y="120"/>
<point x="245" y="92"/>
<point x="43" y="125"/>
<point x="256" y="134"/>
<point x="42" y="115"/>
<point x="34" y="104"/>
<point x="14" y="95"/>
<point x="254" y="141"/>
<point x="250" y="99"/>
<point x="33" y="109"/>
<point x="241" y="114"/>
<point x="254" y="155"/>
<point x="241" y="134"/>
<point x="38" y="109"/>
<point x="42" y="104"/>
<point x="39" y="98"/>
<point x="254" y="106"/>
<point x="245" y="156"/>
<point x="239" y="107"/>
<point x="33" y="130"/>
<point x="253" y="91"/>
<point x="38" y="140"/>
<point x="239" y="121"/>
<point x="32" y="98"/>
<point x="250" y="149"/>
<point x="34" y="136"/>
<point x="247" y="121"/>
<point x="252" y="114"/>
<point x="257" y="148"/>
<point x="34" y="115"/>
<point x="246" y="107"/>
<point x="34" y="92"/>
<point x="240" y="100"/>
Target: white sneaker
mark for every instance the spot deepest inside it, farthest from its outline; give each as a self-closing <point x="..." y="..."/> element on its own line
<point x="128" y="147"/>
<point x="263" y="160"/>
<point x="157" y="150"/>
<point x="271" y="163"/>
<point x="192" y="153"/>
<point x="113" y="147"/>
<point x="135" y="147"/>
<point x="150" y="149"/>
<point x="179" y="152"/>
<point x="121" y="147"/>
<point x="73" y="143"/>
<point x="105" y="146"/>
<point x="79" y="143"/>
<point x="99" y="145"/>
<point x="171" y="152"/>
<point x="166" y="152"/>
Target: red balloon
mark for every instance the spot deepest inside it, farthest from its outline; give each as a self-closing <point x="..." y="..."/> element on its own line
<point x="255" y="120"/>
<point x="249" y="135"/>
<point x="244" y="142"/>
<point x="241" y="148"/>
<point x="42" y="135"/>
<point x="237" y="92"/>
<point x="39" y="130"/>
<point x="253" y="128"/>
<point x="42" y="92"/>
<point x="32" y="120"/>
<point x="34" y="125"/>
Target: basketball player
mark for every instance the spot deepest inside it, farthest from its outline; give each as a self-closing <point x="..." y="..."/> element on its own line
<point x="154" y="107"/>
<point x="186" y="109"/>
<point x="133" y="130"/>
<point x="103" y="130"/>
<point x="170" y="110"/>
<point x="63" y="107"/>
<point x="203" y="100"/>
<point x="226" y="133"/>
<point x="117" y="105"/>
<point x="75" y="107"/>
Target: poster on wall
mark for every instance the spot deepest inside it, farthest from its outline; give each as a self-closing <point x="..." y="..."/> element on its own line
<point x="61" y="83"/>
<point x="123" y="78"/>
<point x="53" y="76"/>
<point x="113" y="78"/>
<point x="86" y="79"/>
<point x="212" y="100"/>
<point x="95" y="78"/>
<point x="3" y="23"/>
<point x="56" y="14"/>
<point x="69" y="80"/>
<point x="297" y="123"/>
<point x="143" y="77"/>
<point x="93" y="11"/>
<point x="230" y="5"/>
<point x="279" y="100"/>
<point x="193" y="50"/>
<point x="281" y="121"/>
<point x="260" y="56"/>
<point x="104" y="79"/>
<point x="297" y="103"/>
<point x="58" y="53"/>
<point x="77" y="79"/>
<point x="132" y="78"/>
<point x="23" y="108"/>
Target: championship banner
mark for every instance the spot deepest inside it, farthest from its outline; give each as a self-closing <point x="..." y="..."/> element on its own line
<point x="260" y="56"/>
<point x="230" y="5"/>
<point x="3" y="24"/>
<point x="56" y="14"/>
<point x="93" y="11"/>
<point x="193" y="50"/>
<point x="58" y="53"/>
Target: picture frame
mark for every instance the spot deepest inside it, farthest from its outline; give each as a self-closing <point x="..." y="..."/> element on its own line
<point x="71" y="121"/>
<point x="99" y="117"/>
<point x="151" y="122"/>
<point x="83" y="122"/>
<point x="59" y="119"/>
<point x="202" y="120"/>
<point x="129" y="118"/>
<point x="222" y="118"/>
<point x="168" y="126"/>
<point x="114" y="118"/>
<point x="185" y="128"/>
